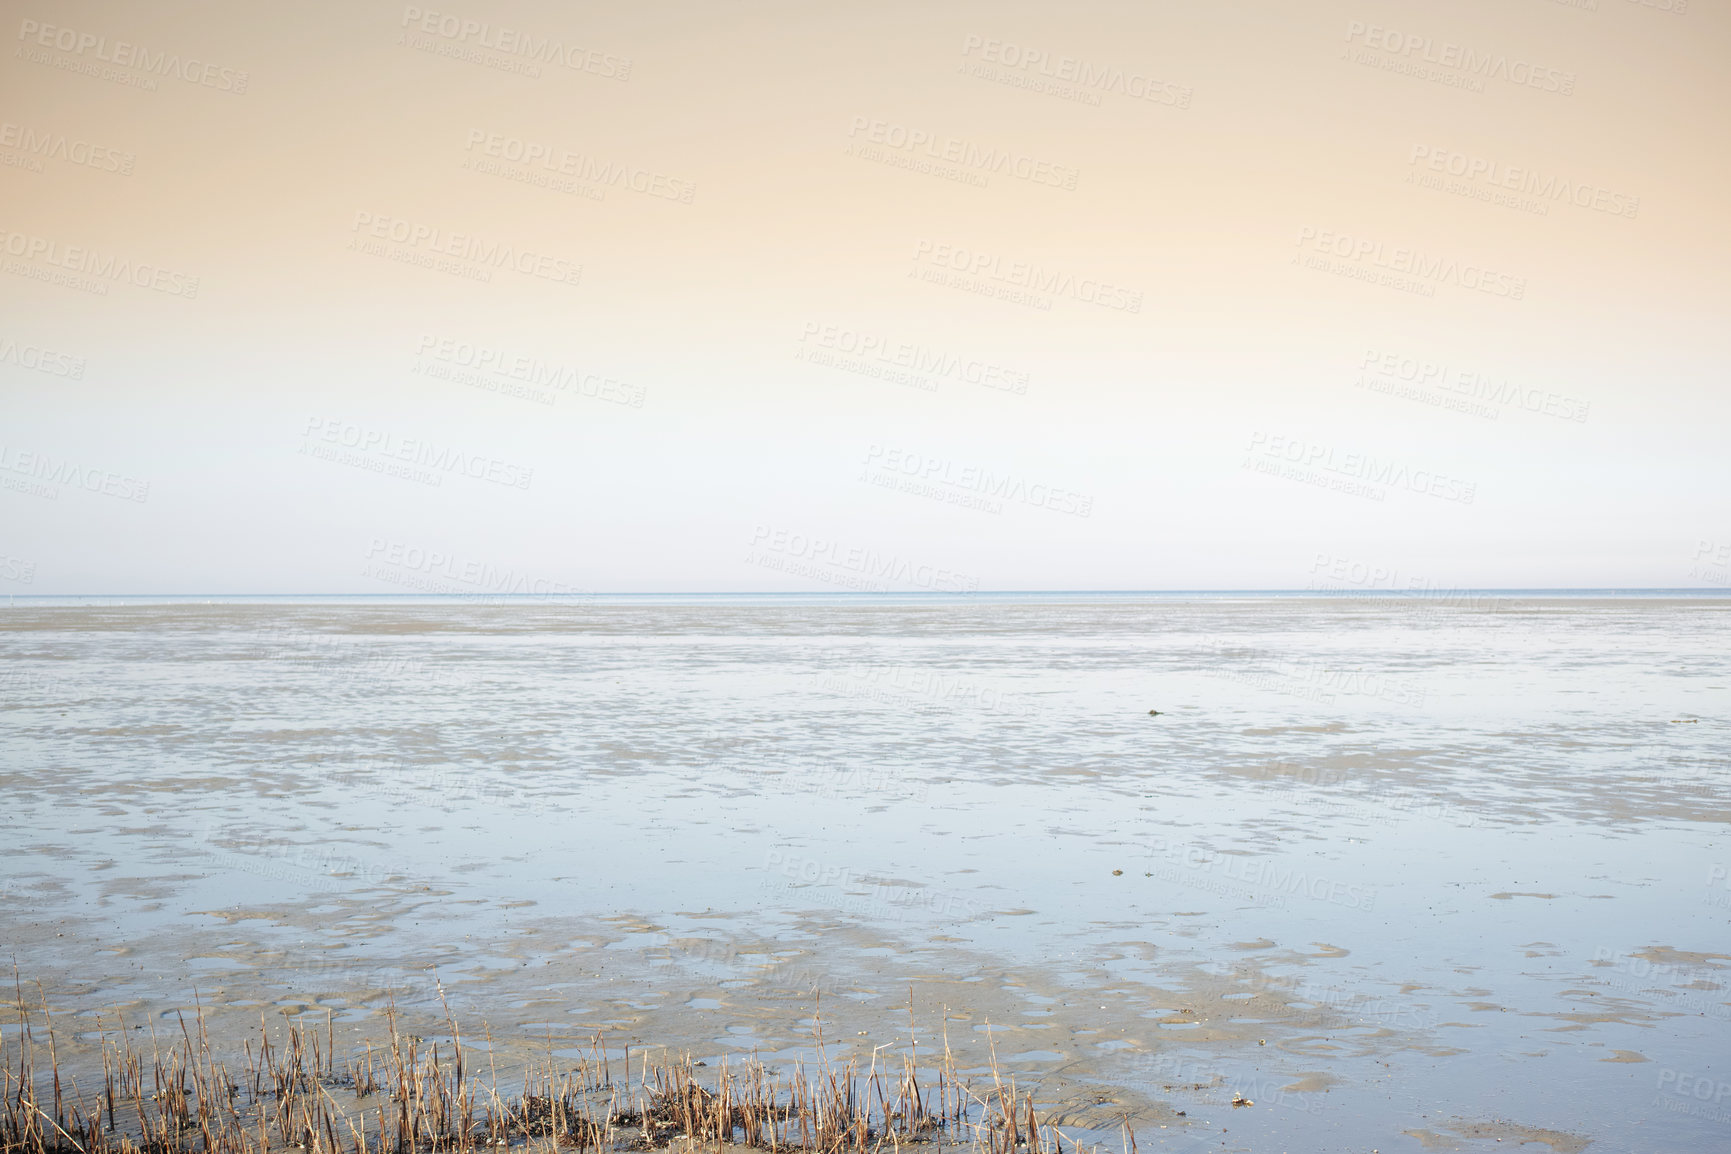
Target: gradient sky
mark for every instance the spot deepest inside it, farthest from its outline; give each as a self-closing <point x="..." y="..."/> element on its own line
<point x="541" y="297"/>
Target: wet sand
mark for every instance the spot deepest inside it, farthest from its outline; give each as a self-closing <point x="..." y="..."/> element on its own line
<point x="1406" y="876"/>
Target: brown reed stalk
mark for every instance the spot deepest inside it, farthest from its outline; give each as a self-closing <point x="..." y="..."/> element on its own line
<point x="413" y="1101"/>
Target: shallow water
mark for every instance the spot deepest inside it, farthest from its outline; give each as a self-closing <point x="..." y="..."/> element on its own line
<point x="1410" y="874"/>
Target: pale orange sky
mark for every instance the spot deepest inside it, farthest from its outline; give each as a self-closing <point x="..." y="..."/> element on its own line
<point x="1251" y="285"/>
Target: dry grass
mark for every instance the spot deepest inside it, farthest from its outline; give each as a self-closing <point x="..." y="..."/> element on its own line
<point x="402" y="1096"/>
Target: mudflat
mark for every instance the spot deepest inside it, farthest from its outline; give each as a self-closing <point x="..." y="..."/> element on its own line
<point x="1400" y="872"/>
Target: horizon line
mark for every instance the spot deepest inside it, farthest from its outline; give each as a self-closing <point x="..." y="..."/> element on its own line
<point x="579" y="595"/>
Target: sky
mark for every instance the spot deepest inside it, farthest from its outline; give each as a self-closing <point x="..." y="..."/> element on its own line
<point x="533" y="297"/>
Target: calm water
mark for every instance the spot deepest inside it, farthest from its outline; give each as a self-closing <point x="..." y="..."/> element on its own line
<point x="1409" y="874"/>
